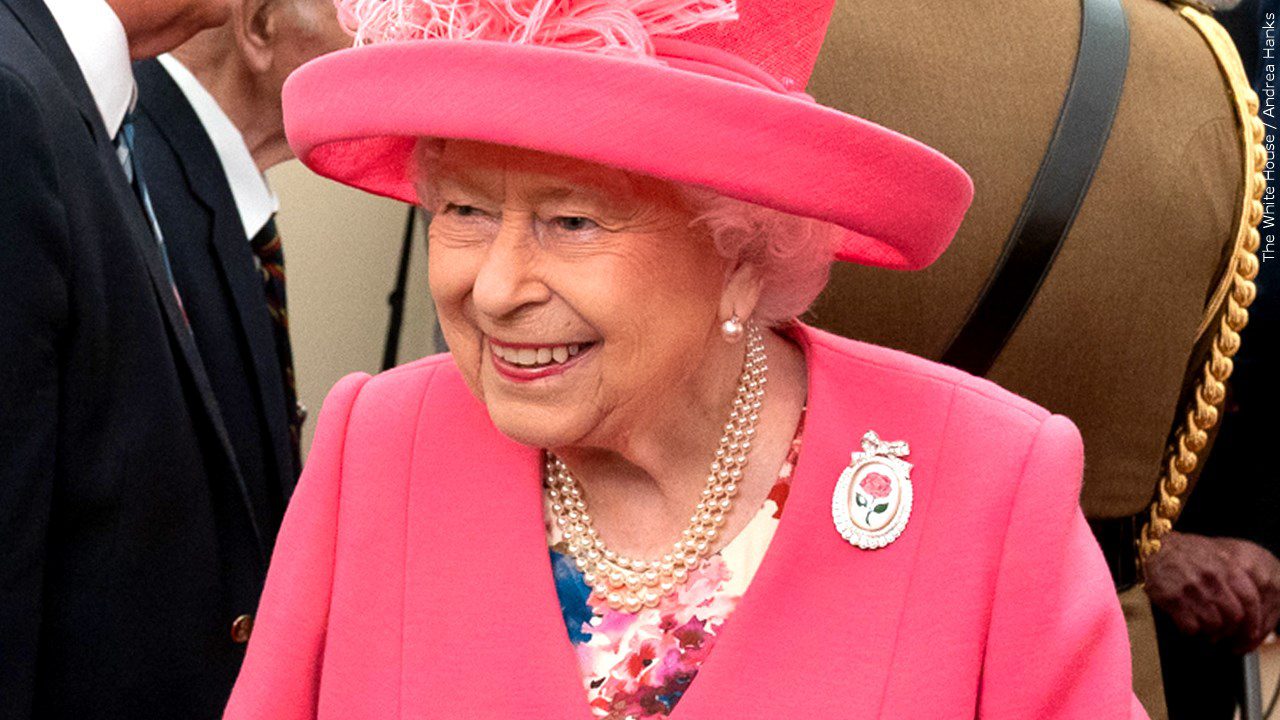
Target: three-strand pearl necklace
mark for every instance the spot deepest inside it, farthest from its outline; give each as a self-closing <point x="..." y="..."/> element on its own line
<point x="629" y="583"/>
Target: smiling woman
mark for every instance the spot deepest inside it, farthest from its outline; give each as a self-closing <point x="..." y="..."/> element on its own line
<point x="637" y="487"/>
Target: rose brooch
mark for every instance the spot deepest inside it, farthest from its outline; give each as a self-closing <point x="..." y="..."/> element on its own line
<point x="872" y="499"/>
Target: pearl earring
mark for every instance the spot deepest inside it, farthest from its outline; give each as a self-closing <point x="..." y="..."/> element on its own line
<point x="732" y="329"/>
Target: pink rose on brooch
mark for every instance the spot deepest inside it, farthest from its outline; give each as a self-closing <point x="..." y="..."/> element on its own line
<point x="874" y="487"/>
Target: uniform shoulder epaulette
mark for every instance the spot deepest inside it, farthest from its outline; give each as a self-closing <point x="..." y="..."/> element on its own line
<point x="1226" y="312"/>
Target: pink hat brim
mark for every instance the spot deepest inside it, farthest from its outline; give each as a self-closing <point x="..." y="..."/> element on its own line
<point x="354" y="116"/>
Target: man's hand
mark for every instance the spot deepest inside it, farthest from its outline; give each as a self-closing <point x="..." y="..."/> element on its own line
<point x="1225" y="589"/>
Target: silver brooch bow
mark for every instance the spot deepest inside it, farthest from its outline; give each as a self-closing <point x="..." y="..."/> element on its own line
<point x="873" y="445"/>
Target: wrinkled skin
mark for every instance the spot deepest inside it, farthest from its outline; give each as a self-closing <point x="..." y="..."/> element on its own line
<point x="1224" y="589"/>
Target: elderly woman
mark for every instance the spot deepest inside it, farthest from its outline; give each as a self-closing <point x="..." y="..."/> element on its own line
<point x="637" y="487"/>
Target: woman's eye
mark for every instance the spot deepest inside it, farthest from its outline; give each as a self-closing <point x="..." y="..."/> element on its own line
<point x="461" y="210"/>
<point x="573" y="223"/>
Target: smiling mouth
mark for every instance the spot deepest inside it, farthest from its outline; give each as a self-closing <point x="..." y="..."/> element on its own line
<point x="537" y="356"/>
<point x="529" y="362"/>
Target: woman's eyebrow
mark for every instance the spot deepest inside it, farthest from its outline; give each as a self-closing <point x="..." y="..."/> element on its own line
<point x="461" y="180"/>
<point x="610" y="189"/>
<point x="607" y="191"/>
<point x="566" y="192"/>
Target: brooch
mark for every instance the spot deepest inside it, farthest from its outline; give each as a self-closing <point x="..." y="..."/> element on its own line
<point x="872" y="500"/>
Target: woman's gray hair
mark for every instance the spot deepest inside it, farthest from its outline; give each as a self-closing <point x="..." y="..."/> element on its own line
<point x="793" y="254"/>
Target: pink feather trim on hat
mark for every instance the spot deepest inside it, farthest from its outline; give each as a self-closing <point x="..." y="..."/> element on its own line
<point x="617" y="27"/>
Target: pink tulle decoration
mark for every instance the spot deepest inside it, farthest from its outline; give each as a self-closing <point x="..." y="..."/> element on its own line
<point x="607" y="26"/>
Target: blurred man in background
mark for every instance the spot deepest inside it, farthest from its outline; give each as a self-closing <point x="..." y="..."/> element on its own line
<point x="128" y="542"/>
<point x="209" y="126"/>
<point x="1216" y="581"/>
<point x="1136" y="290"/>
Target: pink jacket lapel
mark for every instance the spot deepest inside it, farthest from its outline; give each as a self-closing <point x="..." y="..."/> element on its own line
<point x="483" y="634"/>
<point x="821" y="611"/>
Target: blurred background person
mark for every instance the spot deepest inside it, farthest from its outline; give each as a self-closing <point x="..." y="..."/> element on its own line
<point x="127" y="541"/>
<point x="1134" y="296"/>
<point x="209" y="125"/>
<point x="1216" y="580"/>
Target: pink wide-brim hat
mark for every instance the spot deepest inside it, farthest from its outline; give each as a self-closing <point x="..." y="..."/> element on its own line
<point x="716" y="106"/>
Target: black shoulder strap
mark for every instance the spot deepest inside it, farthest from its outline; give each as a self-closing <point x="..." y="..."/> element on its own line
<point x="1084" y="123"/>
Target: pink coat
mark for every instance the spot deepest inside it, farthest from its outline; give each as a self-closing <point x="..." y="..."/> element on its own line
<point x="411" y="578"/>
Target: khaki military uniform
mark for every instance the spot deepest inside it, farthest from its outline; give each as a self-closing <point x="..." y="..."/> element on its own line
<point x="1111" y="338"/>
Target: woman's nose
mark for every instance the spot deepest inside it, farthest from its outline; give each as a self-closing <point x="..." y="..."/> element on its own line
<point x="506" y="281"/>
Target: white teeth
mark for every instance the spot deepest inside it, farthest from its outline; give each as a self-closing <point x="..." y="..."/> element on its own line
<point x="532" y="357"/>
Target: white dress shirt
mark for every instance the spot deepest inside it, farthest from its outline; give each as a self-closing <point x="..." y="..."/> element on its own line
<point x="253" y="197"/>
<point x="101" y="49"/>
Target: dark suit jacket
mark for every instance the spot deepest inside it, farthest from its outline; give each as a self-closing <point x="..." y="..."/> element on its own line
<point x="221" y="287"/>
<point x="128" y="540"/>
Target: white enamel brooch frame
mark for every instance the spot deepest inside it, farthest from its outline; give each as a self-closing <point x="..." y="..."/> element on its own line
<point x="872" y="499"/>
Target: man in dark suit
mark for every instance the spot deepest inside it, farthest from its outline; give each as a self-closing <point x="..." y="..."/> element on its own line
<point x="204" y="165"/>
<point x="129" y="543"/>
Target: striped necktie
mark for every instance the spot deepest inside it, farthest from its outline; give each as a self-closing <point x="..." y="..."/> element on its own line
<point x="270" y="253"/>
<point x="128" y="156"/>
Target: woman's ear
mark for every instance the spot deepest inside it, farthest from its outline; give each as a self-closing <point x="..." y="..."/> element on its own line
<point x="742" y="286"/>
<point x="256" y="27"/>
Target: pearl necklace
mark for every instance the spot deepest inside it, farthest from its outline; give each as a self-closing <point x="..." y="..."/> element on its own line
<point x="629" y="583"/>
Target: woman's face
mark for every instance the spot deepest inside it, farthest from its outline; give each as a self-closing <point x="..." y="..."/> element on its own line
<point x="576" y="299"/>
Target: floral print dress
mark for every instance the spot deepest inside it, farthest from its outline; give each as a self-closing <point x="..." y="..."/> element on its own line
<point x="636" y="666"/>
